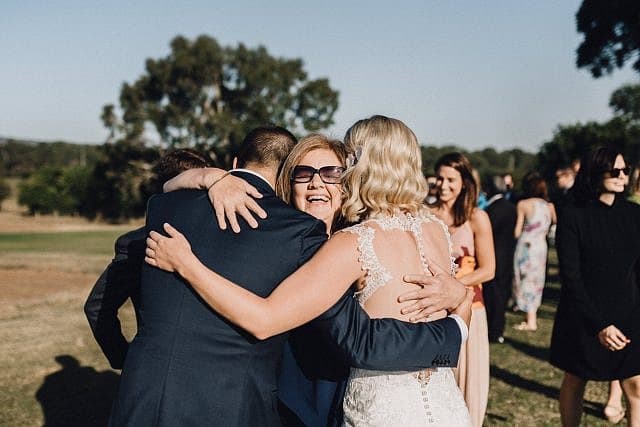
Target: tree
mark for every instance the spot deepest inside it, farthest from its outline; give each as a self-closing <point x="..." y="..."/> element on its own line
<point x="611" y="30"/>
<point x="22" y="158"/>
<point x="207" y="96"/>
<point x="118" y="182"/>
<point x="55" y="189"/>
<point x="625" y="102"/>
<point x="41" y="192"/>
<point x="572" y="142"/>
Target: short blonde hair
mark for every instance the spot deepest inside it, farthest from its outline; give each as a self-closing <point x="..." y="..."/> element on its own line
<point x="314" y="141"/>
<point x="387" y="177"/>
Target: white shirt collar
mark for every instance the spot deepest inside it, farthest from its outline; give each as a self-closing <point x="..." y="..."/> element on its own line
<point x="252" y="173"/>
<point x="494" y="198"/>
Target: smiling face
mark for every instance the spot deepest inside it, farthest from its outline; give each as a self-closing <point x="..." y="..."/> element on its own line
<point x="615" y="185"/>
<point x="316" y="198"/>
<point x="451" y="185"/>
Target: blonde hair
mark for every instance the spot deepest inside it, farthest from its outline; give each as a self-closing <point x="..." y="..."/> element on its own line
<point x="387" y="177"/>
<point x="314" y="141"/>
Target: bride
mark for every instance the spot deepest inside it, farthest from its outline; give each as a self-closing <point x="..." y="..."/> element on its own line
<point x="394" y="233"/>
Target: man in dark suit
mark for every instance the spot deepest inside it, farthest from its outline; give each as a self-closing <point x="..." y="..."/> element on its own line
<point x="189" y="366"/>
<point x="121" y="279"/>
<point x="502" y="215"/>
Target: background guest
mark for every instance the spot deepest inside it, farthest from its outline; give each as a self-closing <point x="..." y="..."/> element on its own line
<point x="472" y="240"/>
<point x="432" y="195"/>
<point x="535" y="217"/>
<point x="502" y="215"/>
<point x="121" y="279"/>
<point x="596" y="334"/>
<point x="509" y="193"/>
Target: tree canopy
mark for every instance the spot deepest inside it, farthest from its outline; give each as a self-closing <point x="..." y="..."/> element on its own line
<point x="625" y="102"/>
<point x="207" y="96"/>
<point x="611" y="30"/>
<point x="22" y="158"/>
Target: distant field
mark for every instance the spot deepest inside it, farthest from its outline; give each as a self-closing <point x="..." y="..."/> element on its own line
<point x="75" y="242"/>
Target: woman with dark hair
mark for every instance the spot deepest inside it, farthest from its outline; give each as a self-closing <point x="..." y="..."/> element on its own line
<point x="535" y="217"/>
<point x="474" y="256"/>
<point x="596" y="335"/>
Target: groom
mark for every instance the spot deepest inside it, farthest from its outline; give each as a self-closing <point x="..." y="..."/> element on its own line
<point x="189" y="366"/>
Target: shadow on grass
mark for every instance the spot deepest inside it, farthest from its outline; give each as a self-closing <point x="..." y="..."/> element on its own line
<point x="540" y="353"/>
<point x="77" y="395"/>
<point x="592" y="408"/>
<point x="520" y="382"/>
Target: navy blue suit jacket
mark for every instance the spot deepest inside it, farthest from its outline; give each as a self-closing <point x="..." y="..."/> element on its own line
<point x="117" y="283"/>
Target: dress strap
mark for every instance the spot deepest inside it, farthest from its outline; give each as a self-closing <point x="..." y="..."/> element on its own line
<point x="377" y="276"/>
<point x="453" y="267"/>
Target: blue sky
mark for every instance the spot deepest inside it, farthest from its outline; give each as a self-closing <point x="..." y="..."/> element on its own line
<point x="474" y="74"/>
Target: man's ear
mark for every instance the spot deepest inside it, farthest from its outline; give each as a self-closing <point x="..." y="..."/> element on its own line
<point x="235" y="162"/>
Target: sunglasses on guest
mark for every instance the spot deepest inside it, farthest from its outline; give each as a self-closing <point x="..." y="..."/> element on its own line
<point x="615" y="172"/>
<point x="328" y="174"/>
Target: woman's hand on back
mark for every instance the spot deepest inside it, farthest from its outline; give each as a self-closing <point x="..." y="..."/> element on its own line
<point x="232" y="196"/>
<point x="171" y="253"/>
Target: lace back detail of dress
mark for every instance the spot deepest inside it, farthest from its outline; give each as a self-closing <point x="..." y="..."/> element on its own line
<point x="377" y="275"/>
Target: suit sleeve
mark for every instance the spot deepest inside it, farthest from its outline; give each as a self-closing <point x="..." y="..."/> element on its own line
<point x="347" y="331"/>
<point x="569" y="260"/>
<point x="119" y="281"/>
<point x="386" y="344"/>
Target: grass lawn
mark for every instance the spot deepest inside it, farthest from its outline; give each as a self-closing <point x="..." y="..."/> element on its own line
<point x="73" y="242"/>
<point x="52" y="371"/>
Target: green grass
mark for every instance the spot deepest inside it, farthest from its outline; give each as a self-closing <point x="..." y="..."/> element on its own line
<point x="76" y="242"/>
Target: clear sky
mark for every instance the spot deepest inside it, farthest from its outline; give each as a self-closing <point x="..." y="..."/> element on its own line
<point x="469" y="73"/>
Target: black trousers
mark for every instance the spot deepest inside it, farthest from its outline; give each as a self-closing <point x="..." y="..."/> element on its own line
<point x="496" y="293"/>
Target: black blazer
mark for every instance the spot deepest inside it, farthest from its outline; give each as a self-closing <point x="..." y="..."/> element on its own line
<point x="118" y="282"/>
<point x="187" y="365"/>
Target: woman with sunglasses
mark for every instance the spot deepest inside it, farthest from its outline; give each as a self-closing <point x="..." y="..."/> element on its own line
<point x="596" y="334"/>
<point x="394" y="233"/>
<point x="311" y="175"/>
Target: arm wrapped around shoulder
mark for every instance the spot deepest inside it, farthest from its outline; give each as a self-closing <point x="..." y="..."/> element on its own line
<point x="387" y="344"/>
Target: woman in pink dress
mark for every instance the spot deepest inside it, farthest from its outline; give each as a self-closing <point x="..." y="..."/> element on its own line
<point x="473" y="252"/>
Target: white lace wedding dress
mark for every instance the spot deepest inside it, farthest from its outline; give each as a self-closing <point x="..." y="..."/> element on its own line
<point x="374" y="398"/>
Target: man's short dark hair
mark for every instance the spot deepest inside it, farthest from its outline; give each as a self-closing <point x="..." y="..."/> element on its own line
<point x="175" y="162"/>
<point x="266" y="146"/>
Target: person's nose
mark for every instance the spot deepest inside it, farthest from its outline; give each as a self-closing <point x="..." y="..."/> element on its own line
<point x="316" y="181"/>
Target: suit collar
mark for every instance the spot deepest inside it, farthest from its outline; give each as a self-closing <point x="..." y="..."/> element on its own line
<point x="494" y="198"/>
<point x="253" y="178"/>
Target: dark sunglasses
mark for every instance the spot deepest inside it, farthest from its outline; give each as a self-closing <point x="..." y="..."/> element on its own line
<point x="328" y="174"/>
<point x="615" y="172"/>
